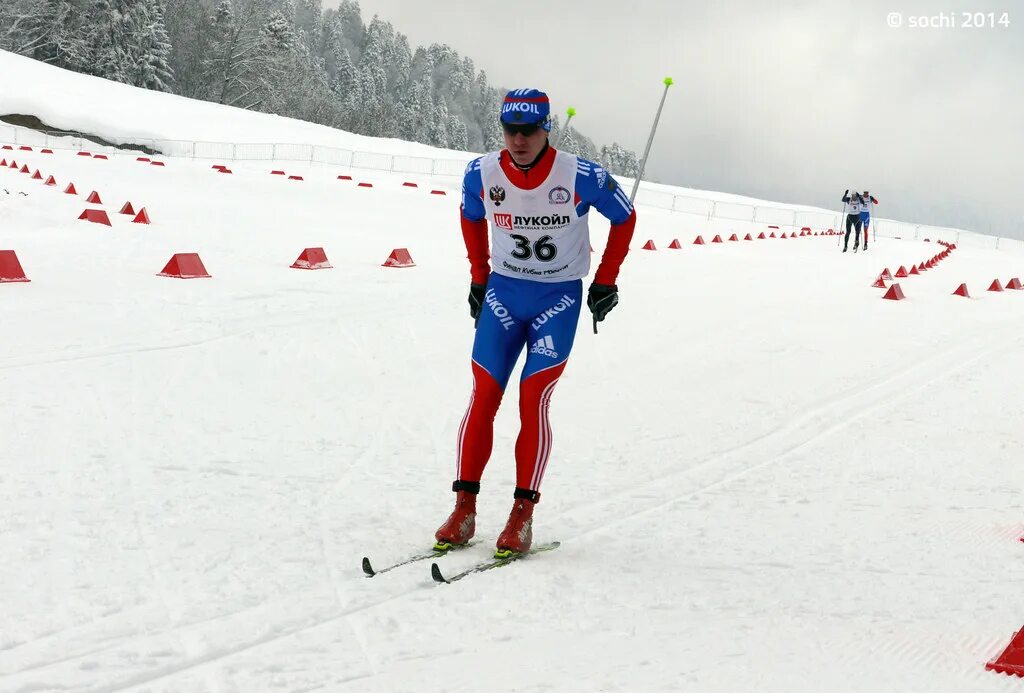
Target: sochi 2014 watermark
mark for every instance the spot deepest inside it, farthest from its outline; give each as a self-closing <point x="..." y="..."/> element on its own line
<point x="949" y="20"/>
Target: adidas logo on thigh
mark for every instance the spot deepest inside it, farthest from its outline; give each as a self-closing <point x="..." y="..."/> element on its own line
<point x="544" y="346"/>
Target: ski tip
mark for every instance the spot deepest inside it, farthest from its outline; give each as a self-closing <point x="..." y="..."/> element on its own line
<point x="367" y="568"/>
<point x="435" y="572"/>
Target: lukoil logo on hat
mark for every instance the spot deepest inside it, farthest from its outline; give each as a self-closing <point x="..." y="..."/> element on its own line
<point x="526" y="106"/>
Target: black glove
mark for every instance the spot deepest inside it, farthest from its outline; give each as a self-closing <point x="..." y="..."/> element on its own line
<point x="847" y="193"/>
<point x="476" y="299"/>
<point x="601" y="299"/>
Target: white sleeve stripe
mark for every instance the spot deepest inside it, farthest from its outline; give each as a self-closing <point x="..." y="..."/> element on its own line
<point x="625" y="204"/>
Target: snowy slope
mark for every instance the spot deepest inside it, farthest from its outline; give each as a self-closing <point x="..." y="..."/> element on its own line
<point x="122" y="114"/>
<point x="764" y="476"/>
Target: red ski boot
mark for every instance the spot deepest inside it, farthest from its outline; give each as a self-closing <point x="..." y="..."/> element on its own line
<point x="460" y="526"/>
<point x="517" y="537"/>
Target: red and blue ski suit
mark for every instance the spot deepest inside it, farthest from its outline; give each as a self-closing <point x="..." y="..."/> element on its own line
<point x="539" y="313"/>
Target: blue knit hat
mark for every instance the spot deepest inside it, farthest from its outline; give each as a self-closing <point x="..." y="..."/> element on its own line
<point x="527" y="106"/>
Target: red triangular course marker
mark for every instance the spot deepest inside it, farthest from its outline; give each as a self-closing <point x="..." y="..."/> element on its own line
<point x="399" y="258"/>
<point x="10" y="268"/>
<point x="879" y="283"/>
<point x="185" y="266"/>
<point x="698" y="240"/>
<point x="96" y="216"/>
<point x="70" y="190"/>
<point x="312" y="259"/>
<point x="887" y="275"/>
<point x="37" y="175"/>
<point x="24" y="168"/>
<point x="733" y="237"/>
<point x="142" y="217"/>
<point x="94" y="198"/>
<point x="344" y="177"/>
<point x="1015" y="284"/>
<point x="295" y="178"/>
<point x="50" y="181"/>
<point x="996" y="286"/>
<point x="407" y="184"/>
<point x="748" y="237"/>
<point x="1011" y="660"/>
<point x="365" y="185"/>
<point x="674" y="245"/>
<point x="772" y="235"/>
<point x="913" y="270"/>
<point x="761" y="236"/>
<point x="783" y="235"/>
<point x="438" y="192"/>
<point x="716" y="239"/>
<point x="649" y="245"/>
<point x="895" y="293"/>
<point x="901" y="272"/>
<point x="962" y="291"/>
<point x="277" y="173"/>
<point x="127" y="209"/>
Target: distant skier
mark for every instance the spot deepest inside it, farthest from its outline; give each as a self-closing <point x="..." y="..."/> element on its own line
<point x="853" y="209"/>
<point x="537" y="201"/>
<point x="865" y="213"/>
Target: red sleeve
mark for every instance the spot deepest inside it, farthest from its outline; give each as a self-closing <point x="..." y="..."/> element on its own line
<point x="619" y="237"/>
<point x="474" y="233"/>
<point x="873" y="200"/>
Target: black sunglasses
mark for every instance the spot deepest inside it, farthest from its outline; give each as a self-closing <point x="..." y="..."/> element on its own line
<point x="525" y="129"/>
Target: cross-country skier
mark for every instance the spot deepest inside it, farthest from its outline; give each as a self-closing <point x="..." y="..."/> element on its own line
<point x="536" y="200"/>
<point x="853" y="208"/>
<point x="865" y="213"/>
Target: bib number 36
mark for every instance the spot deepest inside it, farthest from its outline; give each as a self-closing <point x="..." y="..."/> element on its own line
<point x="543" y="249"/>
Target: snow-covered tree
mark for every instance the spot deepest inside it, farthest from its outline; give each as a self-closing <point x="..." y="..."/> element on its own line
<point x="189" y="27"/>
<point x="237" y="66"/>
<point x="149" y="48"/>
<point x="289" y="57"/>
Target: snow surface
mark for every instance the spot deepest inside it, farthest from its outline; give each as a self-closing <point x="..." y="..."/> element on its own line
<point x="764" y="477"/>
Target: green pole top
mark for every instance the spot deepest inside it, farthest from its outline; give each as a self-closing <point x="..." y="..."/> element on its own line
<point x="668" y="81"/>
<point x="571" y="111"/>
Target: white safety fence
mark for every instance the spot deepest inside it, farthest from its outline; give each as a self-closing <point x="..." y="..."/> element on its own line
<point x="709" y="209"/>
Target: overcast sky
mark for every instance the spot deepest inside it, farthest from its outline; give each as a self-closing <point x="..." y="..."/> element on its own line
<point x="793" y="100"/>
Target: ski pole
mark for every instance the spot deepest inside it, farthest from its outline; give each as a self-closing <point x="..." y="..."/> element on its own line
<point x="650" y="140"/>
<point x="561" y="133"/>
<point x="842" y="218"/>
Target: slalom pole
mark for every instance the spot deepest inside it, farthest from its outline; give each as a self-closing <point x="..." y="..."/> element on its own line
<point x="650" y="140"/>
<point x="561" y="133"/>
